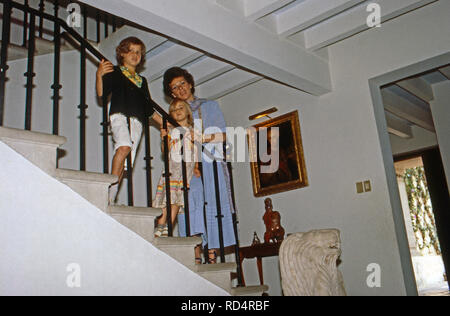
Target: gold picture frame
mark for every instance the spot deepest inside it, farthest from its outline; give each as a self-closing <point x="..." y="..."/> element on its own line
<point x="291" y="173"/>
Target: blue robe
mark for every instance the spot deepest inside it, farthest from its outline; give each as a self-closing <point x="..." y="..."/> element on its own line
<point x="213" y="122"/>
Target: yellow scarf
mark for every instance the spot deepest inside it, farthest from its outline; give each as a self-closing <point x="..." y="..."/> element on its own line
<point x="136" y="79"/>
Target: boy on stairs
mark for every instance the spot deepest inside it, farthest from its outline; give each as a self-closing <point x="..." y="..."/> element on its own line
<point x="129" y="98"/>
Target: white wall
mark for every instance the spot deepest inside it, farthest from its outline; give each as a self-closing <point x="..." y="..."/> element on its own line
<point x="341" y="147"/>
<point x="45" y="227"/>
<point x="440" y="108"/>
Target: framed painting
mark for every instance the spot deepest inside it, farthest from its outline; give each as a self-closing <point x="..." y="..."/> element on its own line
<point x="277" y="159"/>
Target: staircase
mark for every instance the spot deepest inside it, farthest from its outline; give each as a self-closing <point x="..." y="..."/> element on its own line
<point x="41" y="150"/>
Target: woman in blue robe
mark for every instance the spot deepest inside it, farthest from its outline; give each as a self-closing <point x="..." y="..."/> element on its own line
<point x="178" y="83"/>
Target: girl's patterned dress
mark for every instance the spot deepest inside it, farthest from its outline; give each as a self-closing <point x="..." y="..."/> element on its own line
<point x="176" y="178"/>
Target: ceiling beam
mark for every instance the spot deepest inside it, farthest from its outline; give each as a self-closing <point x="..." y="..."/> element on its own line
<point x="253" y="10"/>
<point x="407" y="110"/>
<point x="216" y="31"/>
<point x="398" y="126"/>
<point x="309" y="13"/>
<point x="175" y="55"/>
<point x="235" y="6"/>
<point x="445" y="71"/>
<point x="226" y="84"/>
<point x="418" y="87"/>
<point x="207" y="69"/>
<point x="354" y="21"/>
<point x="108" y="45"/>
<point x="256" y="9"/>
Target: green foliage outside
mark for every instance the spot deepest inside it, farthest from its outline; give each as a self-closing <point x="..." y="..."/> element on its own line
<point x="422" y="216"/>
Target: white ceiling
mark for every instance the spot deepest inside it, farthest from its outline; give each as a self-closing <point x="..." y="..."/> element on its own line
<point x="281" y="40"/>
<point x="315" y="24"/>
<point x="407" y="102"/>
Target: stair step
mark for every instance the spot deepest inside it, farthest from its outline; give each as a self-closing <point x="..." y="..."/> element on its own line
<point x="177" y="241"/>
<point x="85" y="176"/>
<point x="206" y="268"/>
<point x="218" y="273"/>
<point x="39" y="148"/>
<point x="257" y="290"/>
<point x="141" y="220"/>
<point x="181" y="249"/>
<point x="92" y="186"/>
<point x="134" y="211"/>
<point x="35" y="137"/>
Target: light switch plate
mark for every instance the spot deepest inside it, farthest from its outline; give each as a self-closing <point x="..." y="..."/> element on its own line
<point x="359" y="188"/>
<point x="367" y="186"/>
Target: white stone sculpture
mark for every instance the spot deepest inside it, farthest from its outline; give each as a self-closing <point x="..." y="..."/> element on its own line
<point x="308" y="264"/>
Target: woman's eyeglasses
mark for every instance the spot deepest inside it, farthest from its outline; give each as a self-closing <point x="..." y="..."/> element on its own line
<point x="177" y="86"/>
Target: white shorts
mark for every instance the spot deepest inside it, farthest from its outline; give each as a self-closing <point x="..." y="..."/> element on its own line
<point x="122" y="137"/>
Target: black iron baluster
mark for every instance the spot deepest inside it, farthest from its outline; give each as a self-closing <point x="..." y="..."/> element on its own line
<point x="114" y="23"/>
<point x="25" y="25"/>
<point x="56" y="75"/>
<point x="85" y="22"/>
<point x="41" y="19"/>
<point x="200" y="166"/>
<point x="105" y="122"/>
<point x="106" y="26"/>
<point x="30" y="72"/>
<point x="235" y="219"/>
<point x="98" y="24"/>
<point x="83" y="106"/>
<point x="105" y="135"/>
<point x="167" y="179"/>
<point x="6" y="33"/>
<point x="219" y="211"/>
<point x="130" y="171"/>
<point x="185" y="187"/>
<point x="148" y="163"/>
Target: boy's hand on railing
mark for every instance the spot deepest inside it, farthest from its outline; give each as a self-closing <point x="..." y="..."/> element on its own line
<point x="105" y="67"/>
<point x="164" y="133"/>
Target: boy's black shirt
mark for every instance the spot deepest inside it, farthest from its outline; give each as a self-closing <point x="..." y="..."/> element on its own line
<point x="127" y="98"/>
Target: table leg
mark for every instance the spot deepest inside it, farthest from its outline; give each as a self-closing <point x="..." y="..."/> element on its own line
<point x="260" y="271"/>
<point x="242" y="271"/>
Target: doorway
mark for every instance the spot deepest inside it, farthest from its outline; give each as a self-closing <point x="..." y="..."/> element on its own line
<point x="420" y="221"/>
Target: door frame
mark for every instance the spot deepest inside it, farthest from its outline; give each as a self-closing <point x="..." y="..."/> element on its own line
<point x="375" y="85"/>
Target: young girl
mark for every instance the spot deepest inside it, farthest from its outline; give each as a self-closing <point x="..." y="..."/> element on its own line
<point x="129" y="94"/>
<point x="181" y="112"/>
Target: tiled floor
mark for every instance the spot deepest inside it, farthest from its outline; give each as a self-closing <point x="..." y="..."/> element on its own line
<point x="442" y="291"/>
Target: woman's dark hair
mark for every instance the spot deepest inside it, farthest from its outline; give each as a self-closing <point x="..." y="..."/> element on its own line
<point x="124" y="47"/>
<point x="173" y="73"/>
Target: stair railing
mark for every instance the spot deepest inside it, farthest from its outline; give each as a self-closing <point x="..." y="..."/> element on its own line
<point x="29" y="32"/>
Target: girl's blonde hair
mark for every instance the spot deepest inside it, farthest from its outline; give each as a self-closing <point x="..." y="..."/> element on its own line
<point x="174" y="103"/>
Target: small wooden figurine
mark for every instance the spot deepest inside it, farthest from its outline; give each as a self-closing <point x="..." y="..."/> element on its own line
<point x="256" y="240"/>
<point x="274" y="231"/>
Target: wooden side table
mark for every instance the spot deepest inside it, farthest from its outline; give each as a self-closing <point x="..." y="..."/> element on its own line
<point x="258" y="251"/>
